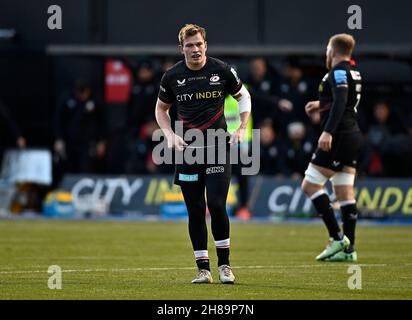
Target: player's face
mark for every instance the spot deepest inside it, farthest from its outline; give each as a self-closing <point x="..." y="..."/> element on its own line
<point x="329" y="54"/>
<point x="194" y="49"/>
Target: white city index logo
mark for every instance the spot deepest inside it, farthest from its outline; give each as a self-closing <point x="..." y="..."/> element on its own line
<point x="214" y="78"/>
<point x="184" y="97"/>
<point x="181" y="82"/>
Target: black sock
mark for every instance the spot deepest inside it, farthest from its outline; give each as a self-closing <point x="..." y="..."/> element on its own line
<point x="325" y="210"/>
<point x="349" y="249"/>
<point x="223" y="256"/>
<point x="203" y="264"/>
<point x="349" y="217"/>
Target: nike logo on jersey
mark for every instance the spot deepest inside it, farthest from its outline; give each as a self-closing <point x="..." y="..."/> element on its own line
<point x="335" y="163"/>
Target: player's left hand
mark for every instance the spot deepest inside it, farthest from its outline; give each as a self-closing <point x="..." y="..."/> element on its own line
<point x="325" y="141"/>
<point x="21" y="143"/>
<point x="237" y="136"/>
<point x="101" y="149"/>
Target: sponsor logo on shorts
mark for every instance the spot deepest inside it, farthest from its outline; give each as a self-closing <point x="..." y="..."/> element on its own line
<point x="188" y="177"/>
<point x="335" y="163"/>
<point x="208" y="147"/>
<point x="218" y="169"/>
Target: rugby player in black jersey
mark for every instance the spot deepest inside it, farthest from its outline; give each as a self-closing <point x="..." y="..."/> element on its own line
<point x="338" y="148"/>
<point x="197" y="86"/>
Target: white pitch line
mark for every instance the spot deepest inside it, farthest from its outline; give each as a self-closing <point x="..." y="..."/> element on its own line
<point x="189" y="268"/>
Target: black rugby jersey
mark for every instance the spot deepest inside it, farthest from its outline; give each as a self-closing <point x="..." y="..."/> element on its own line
<point x="339" y="96"/>
<point x="199" y="95"/>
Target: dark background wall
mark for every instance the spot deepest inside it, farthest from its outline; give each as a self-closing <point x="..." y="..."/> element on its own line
<point x="29" y="78"/>
<point x="158" y="22"/>
<point x="312" y="22"/>
<point x="227" y="21"/>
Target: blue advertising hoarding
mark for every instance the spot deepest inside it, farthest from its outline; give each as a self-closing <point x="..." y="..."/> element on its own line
<point x="144" y="195"/>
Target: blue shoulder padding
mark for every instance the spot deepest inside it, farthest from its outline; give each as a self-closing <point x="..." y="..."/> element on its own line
<point x="340" y="77"/>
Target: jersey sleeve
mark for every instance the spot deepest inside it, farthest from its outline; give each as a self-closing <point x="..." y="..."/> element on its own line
<point x="339" y="78"/>
<point x="165" y="91"/>
<point x="339" y="85"/>
<point x="233" y="82"/>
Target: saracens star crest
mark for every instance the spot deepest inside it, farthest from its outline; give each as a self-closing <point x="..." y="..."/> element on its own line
<point x="214" y="78"/>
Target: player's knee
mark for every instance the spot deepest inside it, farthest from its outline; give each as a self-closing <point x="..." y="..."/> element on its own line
<point x="343" y="179"/>
<point x="314" y="180"/>
<point x="216" y="206"/>
<point x="344" y="193"/>
<point x="342" y="183"/>
<point x="195" y="209"/>
<point x="305" y="186"/>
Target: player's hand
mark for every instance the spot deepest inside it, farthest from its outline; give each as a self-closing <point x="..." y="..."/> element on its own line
<point x="311" y="107"/>
<point x="176" y="142"/>
<point x="60" y="148"/>
<point x="285" y="105"/>
<point x="238" y="136"/>
<point x="325" y="141"/>
<point x="101" y="149"/>
<point x="21" y="143"/>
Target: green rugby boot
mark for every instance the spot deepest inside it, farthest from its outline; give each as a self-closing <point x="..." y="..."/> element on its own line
<point x="333" y="247"/>
<point x="342" y="256"/>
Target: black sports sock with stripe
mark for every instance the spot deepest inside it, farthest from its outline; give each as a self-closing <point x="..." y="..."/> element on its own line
<point x="223" y="256"/>
<point x="203" y="264"/>
<point x="325" y="210"/>
<point x="349" y="217"/>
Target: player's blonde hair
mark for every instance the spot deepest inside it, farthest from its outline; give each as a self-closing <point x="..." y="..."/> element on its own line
<point x="190" y="30"/>
<point x="342" y="43"/>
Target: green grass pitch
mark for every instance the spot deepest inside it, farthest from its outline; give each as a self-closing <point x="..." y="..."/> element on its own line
<point x="154" y="260"/>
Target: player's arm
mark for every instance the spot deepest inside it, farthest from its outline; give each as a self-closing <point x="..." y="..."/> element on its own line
<point x="312" y="106"/>
<point x="237" y="90"/>
<point x="14" y="129"/>
<point x="340" y="99"/>
<point x="164" y="102"/>
<point x="245" y="107"/>
<point x="164" y="122"/>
